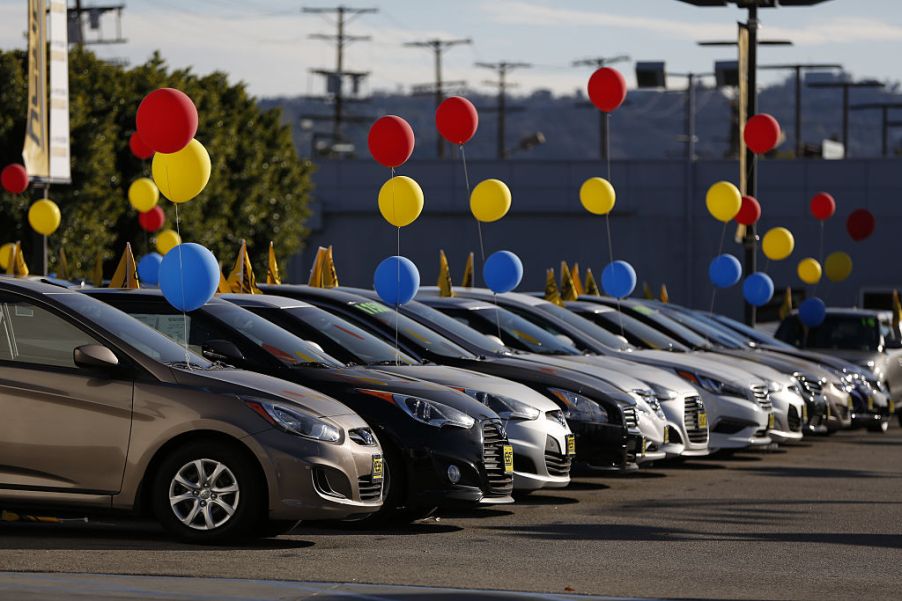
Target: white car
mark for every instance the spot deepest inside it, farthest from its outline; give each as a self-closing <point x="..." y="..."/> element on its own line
<point x="542" y="441"/>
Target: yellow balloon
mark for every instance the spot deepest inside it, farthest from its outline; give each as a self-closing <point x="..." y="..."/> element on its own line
<point x="400" y="200"/>
<point x="597" y="195"/>
<point x="143" y="194"/>
<point x="809" y="270"/>
<point x="778" y="243"/>
<point x="723" y="201"/>
<point x="44" y="216"/>
<point x="838" y="266"/>
<point x="490" y="200"/>
<point x="167" y="240"/>
<point x="182" y="175"/>
<point x="6" y="254"/>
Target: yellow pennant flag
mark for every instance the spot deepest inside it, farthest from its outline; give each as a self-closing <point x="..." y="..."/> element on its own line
<point x="467" y="280"/>
<point x="330" y="276"/>
<point x="665" y="298"/>
<point x="242" y="278"/>
<point x="646" y="291"/>
<point x="316" y="270"/>
<point x="126" y="274"/>
<point x="577" y="281"/>
<point x="786" y="307"/>
<point x="552" y="294"/>
<point x="568" y="291"/>
<point x="591" y="286"/>
<point x="444" y="275"/>
<point x="17" y="266"/>
<point x="272" y="267"/>
<point x="97" y="276"/>
<point x="897" y="312"/>
<point x="223" y="287"/>
<point x="62" y="268"/>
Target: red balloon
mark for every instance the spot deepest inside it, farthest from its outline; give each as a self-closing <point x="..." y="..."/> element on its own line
<point x="152" y="220"/>
<point x="822" y="206"/>
<point x="391" y="141"/>
<point x="607" y="89"/>
<point x="456" y="119"/>
<point x="138" y="147"/>
<point x="762" y="133"/>
<point x="166" y="120"/>
<point x="14" y="178"/>
<point x="749" y="212"/>
<point x="860" y="224"/>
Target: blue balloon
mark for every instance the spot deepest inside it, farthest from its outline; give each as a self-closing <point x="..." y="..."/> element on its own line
<point x="812" y="312"/>
<point x="724" y="271"/>
<point x="618" y="279"/>
<point x="758" y="289"/>
<point x="149" y="268"/>
<point x="189" y="276"/>
<point x="502" y="271"/>
<point x="396" y="280"/>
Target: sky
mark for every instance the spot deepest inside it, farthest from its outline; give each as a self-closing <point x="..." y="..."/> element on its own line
<point x="265" y="42"/>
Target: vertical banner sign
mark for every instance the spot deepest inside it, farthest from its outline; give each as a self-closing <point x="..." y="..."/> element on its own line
<point x="59" y="92"/>
<point x="35" y="152"/>
<point x="743" y="47"/>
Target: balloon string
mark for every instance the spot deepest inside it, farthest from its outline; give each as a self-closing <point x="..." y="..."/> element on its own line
<point x="398" y="266"/>
<point x="607" y="216"/>
<point x="723" y="235"/>
<point x="820" y="255"/>
<point x="178" y="231"/>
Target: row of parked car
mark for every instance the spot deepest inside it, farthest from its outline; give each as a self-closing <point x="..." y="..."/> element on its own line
<point x="259" y="410"/>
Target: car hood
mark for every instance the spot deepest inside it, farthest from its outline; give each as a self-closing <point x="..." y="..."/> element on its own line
<point x="698" y="362"/>
<point x="747" y="363"/>
<point x="785" y="363"/>
<point x="464" y="378"/>
<point x="621" y="380"/>
<point x="860" y="358"/>
<point x="652" y="376"/>
<point x="233" y="382"/>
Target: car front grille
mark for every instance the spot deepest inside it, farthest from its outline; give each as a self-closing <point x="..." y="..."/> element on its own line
<point x="630" y="420"/>
<point x="692" y="407"/>
<point x="557" y="463"/>
<point x="811" y="387"/>
<point x="795" y="421"/>
<point x="493" y="441"/>
<point x="761" y="396"/>
<point x="370" y="490"/>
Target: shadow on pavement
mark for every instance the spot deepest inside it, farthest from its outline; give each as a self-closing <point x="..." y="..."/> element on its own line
<point x="816" y="472"/>
<point x="476" y="512"/>
<point x="535" y="499"/>
<point x="427" y="526"/>
<point x="586" y="485"/>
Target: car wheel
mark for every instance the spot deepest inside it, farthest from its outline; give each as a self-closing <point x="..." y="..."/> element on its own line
<point x="273" y="528"/>
<point x="881" y="426"/>
<point x="208" y="492"/>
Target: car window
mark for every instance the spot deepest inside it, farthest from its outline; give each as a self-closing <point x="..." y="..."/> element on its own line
<point x="637" y="333"/>
<point x="515" y="331"/>
<point x="837" y="332"/>
<point x="33" y="335"/>
<point x="658" y="320"/>
<point x="585" y="326"/>
<point x="452" y="328"/>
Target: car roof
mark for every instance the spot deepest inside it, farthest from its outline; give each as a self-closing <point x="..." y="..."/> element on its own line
<point x="264" y="300"/>
<point x="456" y="302"/>
<point x="332" y="294"/>
<point x="589" y="306"/>
<point x="855" y="312"/>
<point x="34" y="285"/>
<point x="485" y="293"/>
<point x="139" y="293"/>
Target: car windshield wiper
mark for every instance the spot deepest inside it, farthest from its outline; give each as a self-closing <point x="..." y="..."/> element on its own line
<point x="187" y="365"/>
<point x="310" y="364"/>
<point x="386" y="362"/>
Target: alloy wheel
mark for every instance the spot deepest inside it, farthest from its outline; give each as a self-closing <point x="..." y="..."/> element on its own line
<point x="204" y="494"/>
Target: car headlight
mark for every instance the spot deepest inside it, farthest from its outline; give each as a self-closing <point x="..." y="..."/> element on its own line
<point x="713" y="385"/>
<point x="292" y="421"/>
<point x="651" y="401"/>
<point x="426" y="411"/>
<point x="774" y="387"/>
<point x="504" y="406"/>
<point x="662" y="392"/>
<point x="578" y="407"/>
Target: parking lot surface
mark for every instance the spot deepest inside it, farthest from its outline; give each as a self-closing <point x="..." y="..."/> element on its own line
<point x="819" y="520"/>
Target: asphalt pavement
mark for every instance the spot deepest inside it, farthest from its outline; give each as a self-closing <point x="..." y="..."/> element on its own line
<point x="819" y="520"/>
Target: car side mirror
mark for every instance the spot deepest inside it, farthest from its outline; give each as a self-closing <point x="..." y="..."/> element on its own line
<point x="893" y="344"/>
<point x="221" y="350"/>
<point x="94" y="356"/>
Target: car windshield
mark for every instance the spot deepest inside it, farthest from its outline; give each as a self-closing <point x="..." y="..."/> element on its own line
<point x="284" y="346"/>
<point x="713" y="333"/>
<point x="338" y="336"/>
<point x="470" y="338"/>
<point x="585" y="326"/>
<point x="131" y="331"/>
<point x="678" y="330"/>
<point x="751" y="333"/>
<point x="838" y="332"/>
<point x="637" y="333"/>
<point x="414" y="333"/>
<point x="514" y="331"/>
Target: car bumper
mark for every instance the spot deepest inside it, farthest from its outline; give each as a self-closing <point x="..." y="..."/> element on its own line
<point x="685" y="438"/>
<point x="606" y="447"/>
<point x="787" y="417"/>
<point x="540" y="458"/>
<point x="735" y="423"/>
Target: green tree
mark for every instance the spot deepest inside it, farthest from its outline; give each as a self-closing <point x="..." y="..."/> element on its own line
<point x="258" y="190"/>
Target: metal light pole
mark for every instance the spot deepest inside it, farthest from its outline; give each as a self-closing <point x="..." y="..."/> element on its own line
<point x="885" y="108"/>
<point x="845" y="86"/>
<point x="603" y="133"/>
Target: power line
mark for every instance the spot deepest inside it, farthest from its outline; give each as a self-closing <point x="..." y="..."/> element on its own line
<point x="502" y="68"/>
<point x="438" y="47"/>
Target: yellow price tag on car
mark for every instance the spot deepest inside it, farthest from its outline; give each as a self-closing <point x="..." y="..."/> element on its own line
<point x="702" y="419"/>
<point x="571" y="444"/>
<point x="892" y="406"/>
<point x="378" y="467"/>
<point x="666" y="434"/>
<point x="771" y="420"/>
<point x="508" y="459"/>
<point x="850" y="402"/>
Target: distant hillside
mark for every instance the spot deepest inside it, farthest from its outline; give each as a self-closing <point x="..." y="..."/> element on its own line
<point x="647" y="126"/>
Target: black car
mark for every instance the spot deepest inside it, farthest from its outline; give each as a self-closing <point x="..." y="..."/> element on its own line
<point x="602" y="417"/>
<point x="441" y="446"/>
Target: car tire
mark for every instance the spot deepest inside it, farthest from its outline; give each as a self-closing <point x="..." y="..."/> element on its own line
<point x="209" y="492"/>
<point x="273" y="528"/>
<point x="880" y="427"/>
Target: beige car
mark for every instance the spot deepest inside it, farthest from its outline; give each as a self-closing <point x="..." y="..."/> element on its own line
<point x="101" y="412"/>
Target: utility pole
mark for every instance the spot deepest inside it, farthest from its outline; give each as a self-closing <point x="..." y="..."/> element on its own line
<point x="94" y="12"/>
<point x="438" y="47"/>
<point x="885" y="108"/>
<point x="845" y="86"/>
<point x="335" y="79"/>
<point x="797" y="69"/>
<point x="502" y="84"/>
<point x="598" y="62"/>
